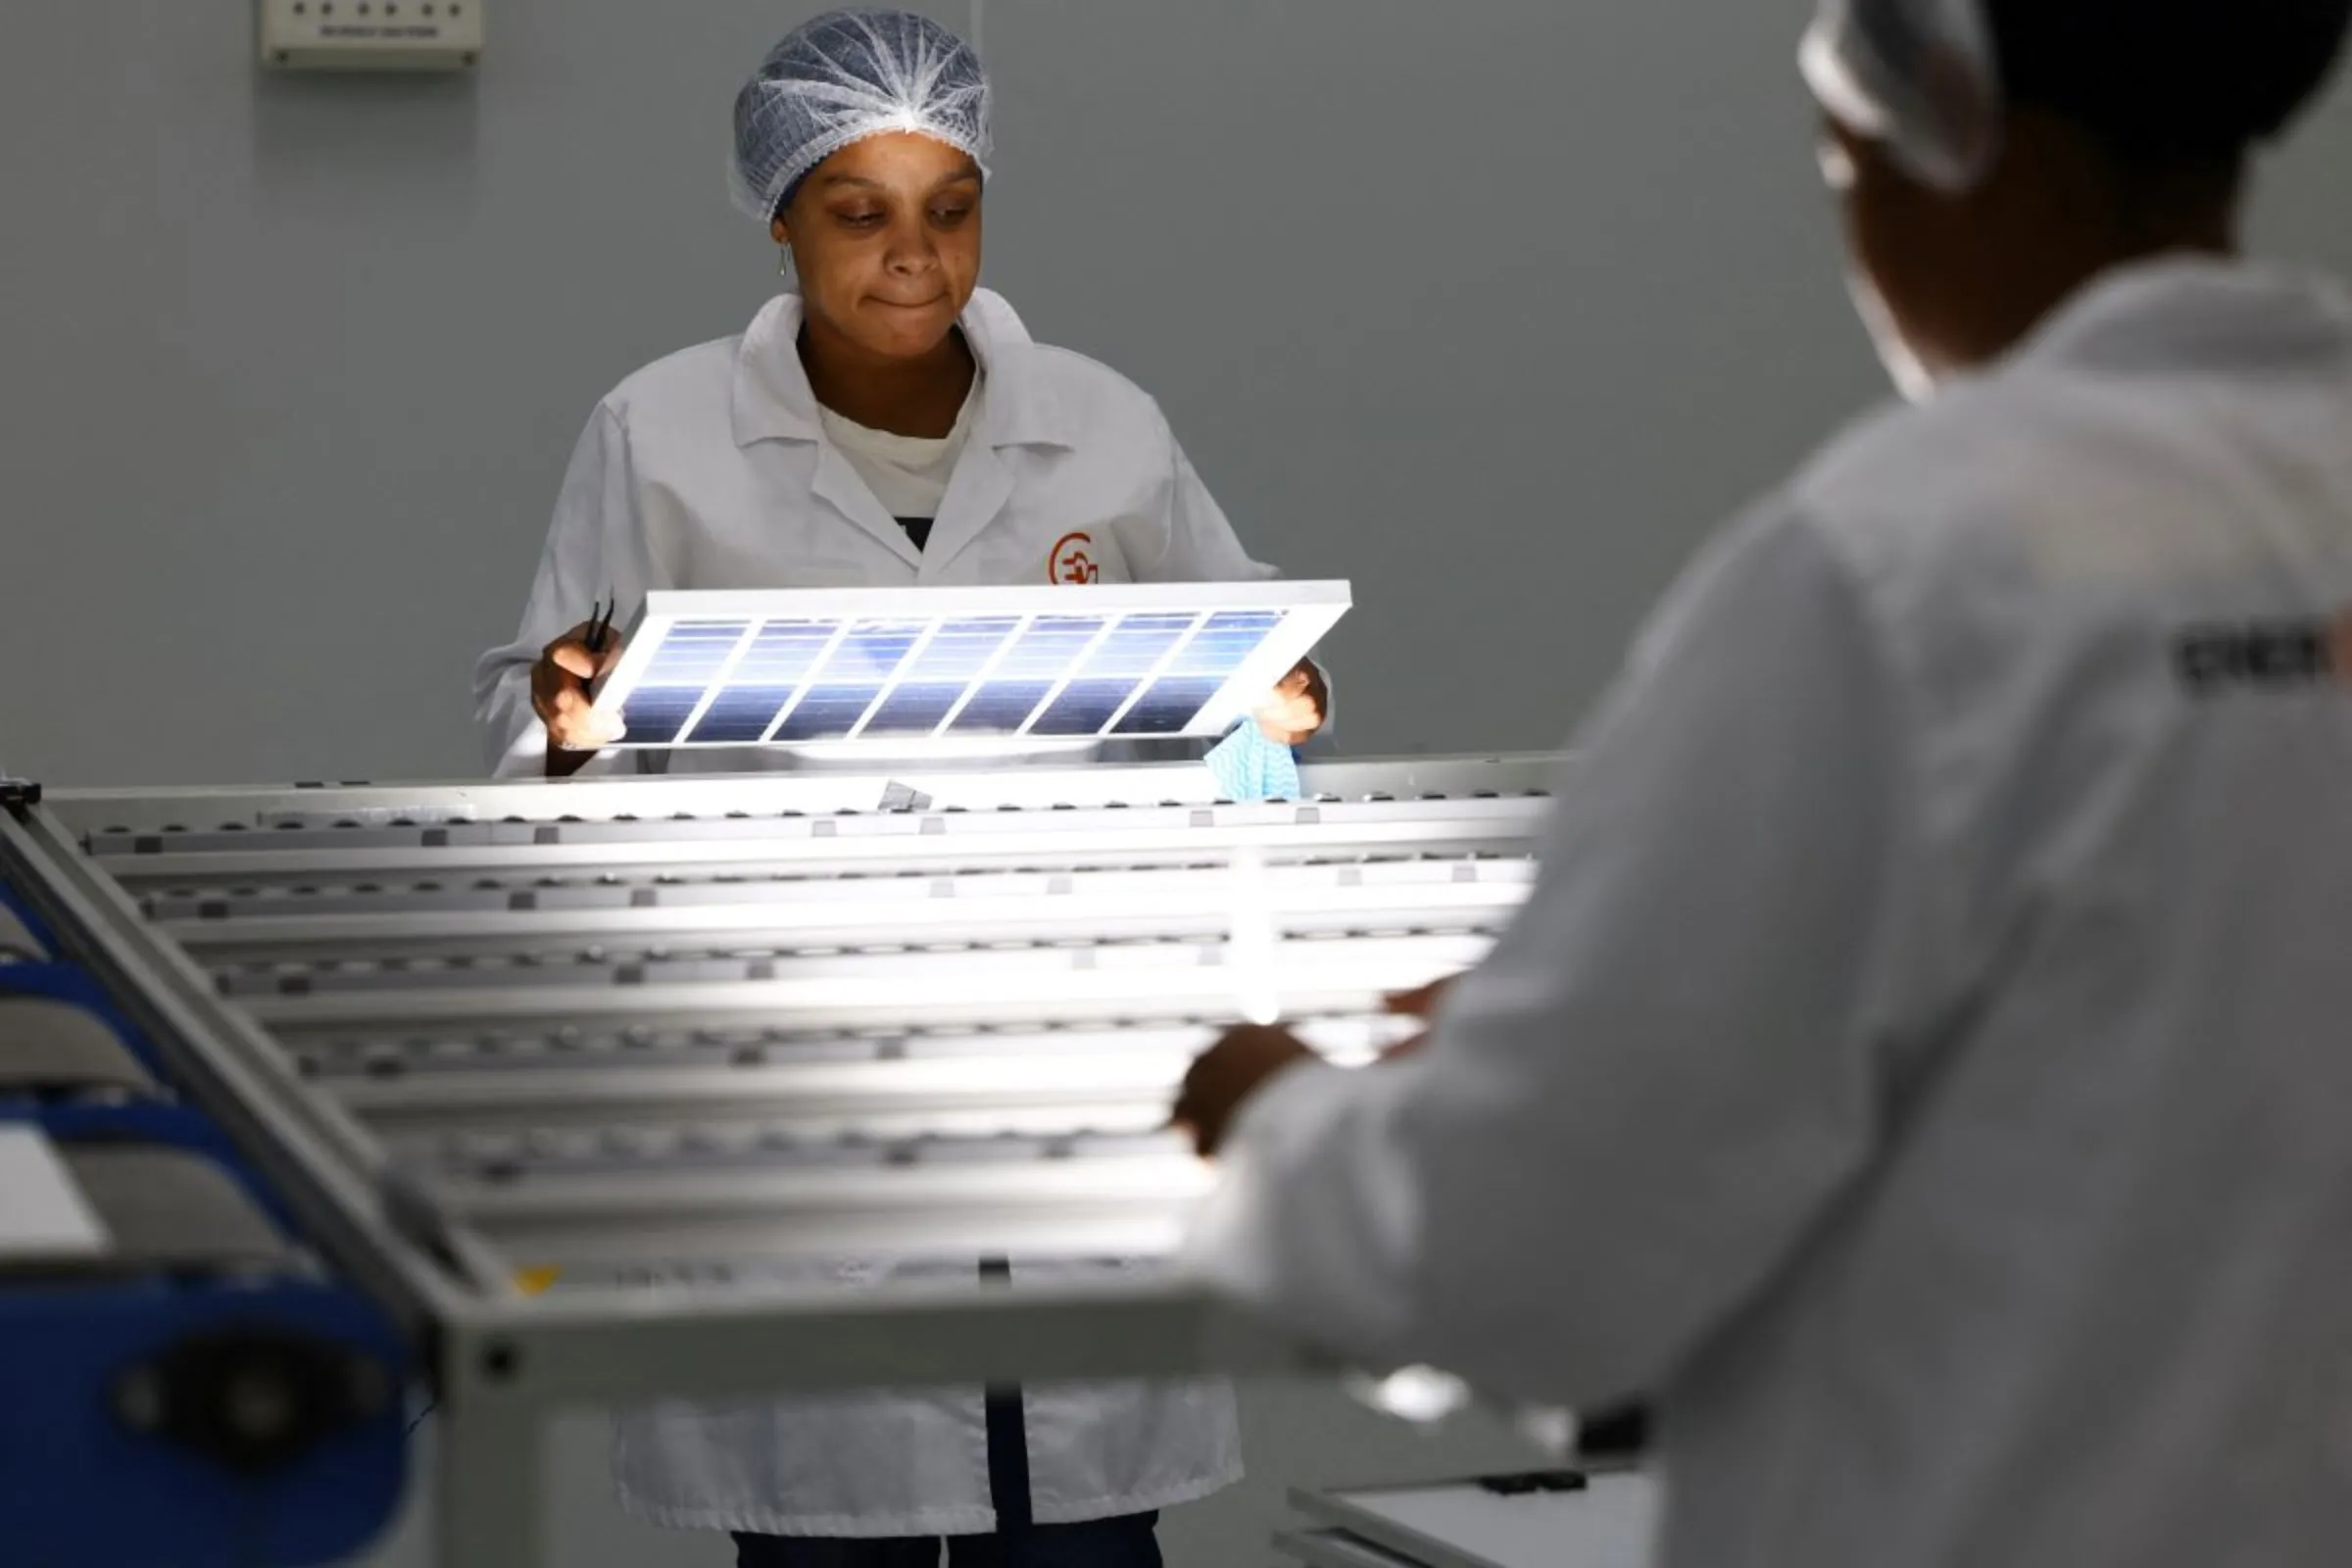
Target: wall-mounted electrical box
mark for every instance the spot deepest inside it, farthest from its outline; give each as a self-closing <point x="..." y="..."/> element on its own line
<point x="370" y="34"/>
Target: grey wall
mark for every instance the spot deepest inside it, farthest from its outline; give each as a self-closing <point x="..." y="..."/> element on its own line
<point x="1493" y="305"/>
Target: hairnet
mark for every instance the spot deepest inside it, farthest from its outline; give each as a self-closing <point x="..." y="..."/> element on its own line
<point x="842" y="77"/>
<point x="1919" y="75"/>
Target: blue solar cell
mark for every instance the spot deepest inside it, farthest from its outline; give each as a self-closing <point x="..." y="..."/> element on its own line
<point x="1134" y="647"/>
<point x="783" y="654"/>
<point x="1048" y="648"/>
<point x="1171" y="704"/>
<point x="870" y="653"/>
<point x="740" y="716"/>
<point x="1111" y="673"/>
<point x="1198" y="671"/>
<point x="1000" y="708"/>
<point x="763" y="681"/>
<point x="694" y="652"/>
<point x="654" y="715"/>
<point x="1026" y="674"/>
<point x="1083" y="708"/>
<point x="1225" y="643"/>
<point x="827" y="713"/>
<point x="914" y="710"/>
<point x="959" y="652"/>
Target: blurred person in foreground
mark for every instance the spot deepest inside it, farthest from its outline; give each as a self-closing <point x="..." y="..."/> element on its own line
<point x="1924" y="1067"/>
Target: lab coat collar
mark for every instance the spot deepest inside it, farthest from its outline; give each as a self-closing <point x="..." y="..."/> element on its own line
<point x="2206" y="313"/>
<point x="773" y="401"/>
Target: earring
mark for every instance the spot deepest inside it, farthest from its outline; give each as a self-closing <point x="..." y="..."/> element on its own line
<point x="784" y="261"/>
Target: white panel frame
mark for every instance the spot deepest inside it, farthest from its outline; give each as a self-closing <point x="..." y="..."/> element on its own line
<point x="1311" y="610"/>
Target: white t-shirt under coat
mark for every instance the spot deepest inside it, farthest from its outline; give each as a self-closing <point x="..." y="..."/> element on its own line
<point x="909" y="475"/>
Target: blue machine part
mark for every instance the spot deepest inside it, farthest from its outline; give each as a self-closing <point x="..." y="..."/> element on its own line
<point x="119" y="1446"/>
<point x="93" y="1484"/>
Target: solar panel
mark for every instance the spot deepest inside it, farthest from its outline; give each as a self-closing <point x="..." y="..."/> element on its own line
<point x="979" y="669"/>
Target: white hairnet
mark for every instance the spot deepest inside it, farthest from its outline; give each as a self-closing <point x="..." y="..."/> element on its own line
<point x="1919" y="75"/>
<point x="847" y="76"/>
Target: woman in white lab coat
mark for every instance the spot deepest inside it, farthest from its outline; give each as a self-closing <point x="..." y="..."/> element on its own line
<point x="1924" y="1062"/>
<point x="887" y="423"/>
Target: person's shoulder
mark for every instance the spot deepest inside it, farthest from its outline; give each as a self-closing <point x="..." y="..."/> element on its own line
<point x="1086" y="389"/>
<point x="2033" y="517"/>
<point x="1984" y="474"/>
<point x="703" y="373"/>
<point x="1904" y="470"/>
<point x="1069" y="367"/>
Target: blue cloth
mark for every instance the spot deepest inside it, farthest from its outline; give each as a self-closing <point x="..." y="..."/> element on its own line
<point x="1249" y="766"/>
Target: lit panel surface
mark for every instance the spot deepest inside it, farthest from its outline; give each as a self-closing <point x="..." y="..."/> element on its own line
<point x="974" y="666"/>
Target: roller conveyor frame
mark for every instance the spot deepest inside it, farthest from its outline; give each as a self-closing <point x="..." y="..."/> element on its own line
<point x="446" y="1091"/>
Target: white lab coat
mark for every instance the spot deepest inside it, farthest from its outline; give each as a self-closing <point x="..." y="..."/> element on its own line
<point x="709" y="469"/>
<point x="1924" y="1065"/>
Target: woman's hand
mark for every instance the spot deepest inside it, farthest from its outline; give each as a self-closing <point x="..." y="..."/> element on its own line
<point x="1297" y="709"/>
<point x="1422" y="1004"/>
<point x="1232" y="1071"/>
<point x="560" y="684"/>
<point x="1227" y="1075"/>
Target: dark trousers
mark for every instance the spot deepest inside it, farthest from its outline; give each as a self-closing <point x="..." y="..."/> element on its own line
<point x="1124" y="1543"/>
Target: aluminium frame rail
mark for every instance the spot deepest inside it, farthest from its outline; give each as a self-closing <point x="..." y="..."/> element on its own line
<point x="684" y="1038"/>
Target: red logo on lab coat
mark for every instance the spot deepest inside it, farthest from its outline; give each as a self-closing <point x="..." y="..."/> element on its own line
<point x="1073" y="560"/>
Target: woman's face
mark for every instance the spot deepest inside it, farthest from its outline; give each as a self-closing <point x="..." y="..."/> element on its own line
<point x="886" y="235"/>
